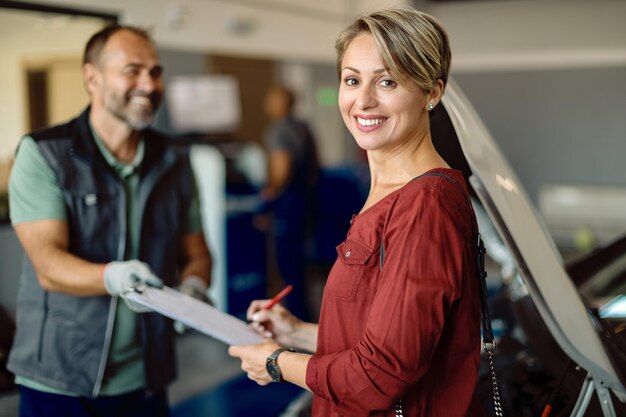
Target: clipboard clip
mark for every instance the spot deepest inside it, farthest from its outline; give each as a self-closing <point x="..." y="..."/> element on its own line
<point x="140" y="288"/>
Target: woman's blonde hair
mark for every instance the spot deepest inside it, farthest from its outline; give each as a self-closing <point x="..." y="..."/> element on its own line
<point x="410" y="43"/>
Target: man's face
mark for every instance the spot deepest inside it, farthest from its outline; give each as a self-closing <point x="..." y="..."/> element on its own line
<point x="275" y="104"/>
<point x="127" y="81"/>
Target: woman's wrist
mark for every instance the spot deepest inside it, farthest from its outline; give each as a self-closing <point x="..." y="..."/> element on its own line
<point x="293" y="367"/>
<point x="303" y="337"/>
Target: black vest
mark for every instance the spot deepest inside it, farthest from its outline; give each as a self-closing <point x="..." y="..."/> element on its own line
<point x="62" y="341"/>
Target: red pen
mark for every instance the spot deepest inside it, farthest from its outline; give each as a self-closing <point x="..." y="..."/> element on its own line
<point x="278" y="297"/>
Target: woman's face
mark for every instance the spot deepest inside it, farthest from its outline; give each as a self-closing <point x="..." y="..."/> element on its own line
<point x="380" y="113"/>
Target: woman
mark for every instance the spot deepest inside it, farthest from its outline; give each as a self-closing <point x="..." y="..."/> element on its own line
<point x="399" y="325"/>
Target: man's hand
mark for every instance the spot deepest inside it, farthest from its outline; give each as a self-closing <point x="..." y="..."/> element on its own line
<point x="121" y="276"/>
<point x="195" y="287"/>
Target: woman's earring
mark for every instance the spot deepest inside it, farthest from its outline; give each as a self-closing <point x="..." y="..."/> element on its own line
<point x="430" y="106"/>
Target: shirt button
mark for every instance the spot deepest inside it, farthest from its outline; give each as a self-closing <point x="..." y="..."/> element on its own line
<point x="348" y="254"/>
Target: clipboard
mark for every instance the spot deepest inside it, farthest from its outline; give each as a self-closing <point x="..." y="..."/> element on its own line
<point x="195" y="314"/>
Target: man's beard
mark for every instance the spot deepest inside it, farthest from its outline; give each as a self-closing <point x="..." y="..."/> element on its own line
<point x="136" y="119"/>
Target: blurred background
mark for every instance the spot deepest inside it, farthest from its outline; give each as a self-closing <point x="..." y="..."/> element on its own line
<point x="548" y="78"/>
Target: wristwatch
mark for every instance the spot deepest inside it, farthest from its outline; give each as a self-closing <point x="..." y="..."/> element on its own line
<point x="271" y="364"/>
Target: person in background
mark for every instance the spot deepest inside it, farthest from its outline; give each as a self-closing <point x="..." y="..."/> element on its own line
<point x="102" y="205"/>
<point x="293" y="169"/>
<point x="399" y="330"/>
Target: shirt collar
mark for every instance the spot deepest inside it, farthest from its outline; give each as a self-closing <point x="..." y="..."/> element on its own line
<point x="122" y="168"/>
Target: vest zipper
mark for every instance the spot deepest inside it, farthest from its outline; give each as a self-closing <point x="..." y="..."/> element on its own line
<point x="113" y="305"/>
<point x="105" y="349"/>
<point x="42" y="330"/>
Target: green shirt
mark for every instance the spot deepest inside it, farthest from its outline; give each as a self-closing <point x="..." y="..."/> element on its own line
<point x="35" y="195"/>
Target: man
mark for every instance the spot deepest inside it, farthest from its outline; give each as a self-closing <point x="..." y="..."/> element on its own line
<point x="293" y="170"/>
<point x="102" y="204"/>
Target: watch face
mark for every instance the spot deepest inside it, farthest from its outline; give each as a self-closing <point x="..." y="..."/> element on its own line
<point x="272" y="369"/>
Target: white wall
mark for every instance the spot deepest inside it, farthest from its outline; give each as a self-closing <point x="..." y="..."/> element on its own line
<point x="294" y="29"/>
<point x="534" y="34"/>
<point x="484" y="34"/>
<point x="67" y="96"/>
<point x="511" y="34"/>
<point x="26" y="38"/>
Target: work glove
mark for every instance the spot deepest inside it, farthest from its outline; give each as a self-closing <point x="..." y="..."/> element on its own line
<point x="195" y="287"/>
<point x="121" y="276"/>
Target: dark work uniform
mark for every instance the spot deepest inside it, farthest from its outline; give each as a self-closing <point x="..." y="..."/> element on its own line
<point x="293" y="208"/>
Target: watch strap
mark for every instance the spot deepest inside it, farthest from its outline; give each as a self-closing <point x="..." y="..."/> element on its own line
<point x="272" y="362"/>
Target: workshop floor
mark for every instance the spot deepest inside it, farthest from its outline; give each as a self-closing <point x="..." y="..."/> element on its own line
<point x="210" y="383"/>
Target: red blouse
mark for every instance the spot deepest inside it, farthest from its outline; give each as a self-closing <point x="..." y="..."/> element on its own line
<point x="411" y="329"/>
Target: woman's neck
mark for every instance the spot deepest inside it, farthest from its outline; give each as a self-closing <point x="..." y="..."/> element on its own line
<point x="391" y="171"/>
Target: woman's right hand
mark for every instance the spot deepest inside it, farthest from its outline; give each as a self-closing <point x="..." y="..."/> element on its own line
<point x="276" y="323"/>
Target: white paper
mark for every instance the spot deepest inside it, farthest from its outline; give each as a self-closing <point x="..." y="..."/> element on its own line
<point x="196" y="314"/>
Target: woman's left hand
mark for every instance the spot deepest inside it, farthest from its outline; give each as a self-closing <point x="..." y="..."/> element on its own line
<point x="253" y="359"/>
